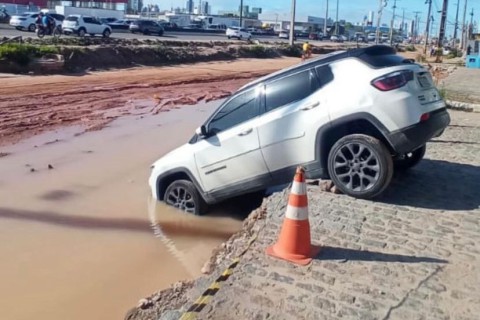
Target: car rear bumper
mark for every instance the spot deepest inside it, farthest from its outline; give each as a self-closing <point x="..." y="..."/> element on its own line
<point x="413" y="137"/>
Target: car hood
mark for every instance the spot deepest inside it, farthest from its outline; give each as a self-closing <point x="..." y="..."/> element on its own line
<point x="175" y="158"/>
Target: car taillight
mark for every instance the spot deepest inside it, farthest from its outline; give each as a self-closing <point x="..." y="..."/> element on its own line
<point x="393" y="80"/>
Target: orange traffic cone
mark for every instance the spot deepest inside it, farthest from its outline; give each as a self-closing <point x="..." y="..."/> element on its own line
<point x="294" y="242"/>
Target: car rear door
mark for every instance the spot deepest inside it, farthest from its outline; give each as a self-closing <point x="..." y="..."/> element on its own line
<point x="230" y="156"/>
<point x="294" y="109"/>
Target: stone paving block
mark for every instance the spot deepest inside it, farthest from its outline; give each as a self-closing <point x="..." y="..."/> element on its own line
<point x="412" y="254"/>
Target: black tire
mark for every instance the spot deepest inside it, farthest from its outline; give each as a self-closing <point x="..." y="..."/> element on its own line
<point x="160" y="33"/>
<point x="410" y="159"/>
<point x="360" y="166"/>
<point x="32" y="27"/>
<point x="40" y="33"/>
<point x="106" y="33"/>
<point x="82" y="32"/>
<point x="183" y="195"/>
<point x="229" y="37"/>
<point x="57" y="32"/>
<point x="146" y="32"/>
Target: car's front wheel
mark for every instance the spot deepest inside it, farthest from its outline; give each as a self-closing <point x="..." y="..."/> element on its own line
<point x="106" y="33"/>
<point x="32" y="27"/>
<point x="183" y="195"/>
<point x="360" y="166"/>
<point x="410" y="159"/>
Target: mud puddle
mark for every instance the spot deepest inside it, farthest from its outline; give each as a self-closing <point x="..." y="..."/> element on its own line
<point x="76" y="235"/>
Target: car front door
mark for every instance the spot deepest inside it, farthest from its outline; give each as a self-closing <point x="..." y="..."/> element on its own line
<point x="229" y="158"/>
<point x="294" y="109"/>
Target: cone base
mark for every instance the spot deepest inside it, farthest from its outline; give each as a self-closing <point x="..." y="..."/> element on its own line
<point x="299" y="259"/>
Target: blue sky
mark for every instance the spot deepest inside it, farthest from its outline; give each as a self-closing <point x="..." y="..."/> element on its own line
<point x="350" y="10"/>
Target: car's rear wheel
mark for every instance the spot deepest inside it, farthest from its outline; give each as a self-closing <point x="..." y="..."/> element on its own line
<point x="360" y="166"/>
<point x="32" y="27"/>
<point x="183" y="195"/>
<point x="106" y="33"/>
<point x="410" y="159"/>
<point x="81" y="33"/>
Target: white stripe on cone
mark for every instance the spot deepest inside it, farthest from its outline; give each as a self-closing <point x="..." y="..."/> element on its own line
<point x="294" y="213"/>
<point x="299" y="188"/>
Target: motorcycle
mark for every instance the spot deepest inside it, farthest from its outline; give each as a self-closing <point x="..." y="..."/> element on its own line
<point x="4" y="16"/>
<point x="41" y="31"/>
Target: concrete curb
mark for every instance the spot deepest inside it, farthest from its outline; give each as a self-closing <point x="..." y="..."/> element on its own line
<point x="463" y="106"/>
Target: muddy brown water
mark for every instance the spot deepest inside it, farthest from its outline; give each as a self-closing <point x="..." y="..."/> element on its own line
<point x="84" y="240"/>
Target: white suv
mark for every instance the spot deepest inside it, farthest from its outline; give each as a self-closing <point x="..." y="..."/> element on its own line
<point x="81" y="25"/>
<point x="352" y="116"/>
<point x="239" y="33"/>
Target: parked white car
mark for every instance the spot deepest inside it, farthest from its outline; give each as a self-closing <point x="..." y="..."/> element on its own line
<point x="25" y="21"/>
<point x="283" y="34"/>
<point x="371" y="36"/>
<point x="82" y="25"/>
<point x="239" y="33"/>
<point x="300" y="116"/>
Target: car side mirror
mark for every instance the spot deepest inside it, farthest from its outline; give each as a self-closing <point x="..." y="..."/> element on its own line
<point x="202" y="131"/>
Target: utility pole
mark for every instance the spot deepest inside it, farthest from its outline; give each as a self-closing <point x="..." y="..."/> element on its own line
<point x="427" y="29"/>
<point x="379" y="19"/>
<point x="241" y="12"/>
<point x="456" y="25"/>
<point x="336" y="22"/>
<point x="415" y="27"/>
<point x="391" y="22"/>
<point x="403" y="22"/>
<point x="441" y="35"/>
<point x="326" y="19"/>
<point x="464" y="29"/>
<point x="292" y="24"/>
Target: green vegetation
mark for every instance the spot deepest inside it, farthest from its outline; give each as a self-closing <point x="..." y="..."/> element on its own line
<point x="291" y="51"/>
<point x="410" y="48"/>
<point x="443" y="93"/>
<point x="23" y="53"/>
<point x="257" y="51"/>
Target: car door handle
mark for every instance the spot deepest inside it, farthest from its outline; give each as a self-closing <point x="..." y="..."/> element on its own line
<point x="310" y="106"/>
<point x="245" y="132"/>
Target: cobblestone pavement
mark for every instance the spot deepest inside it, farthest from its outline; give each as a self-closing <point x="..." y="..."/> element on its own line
<point x="413" y="254"/>
<point x="462" y="85"/>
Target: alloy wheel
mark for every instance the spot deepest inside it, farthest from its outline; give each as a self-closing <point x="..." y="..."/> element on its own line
<point x="180" y="198"/>
<point x="356" y="167"/>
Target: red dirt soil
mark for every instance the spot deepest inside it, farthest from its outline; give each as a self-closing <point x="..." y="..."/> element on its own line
<point x="30" y="105"/>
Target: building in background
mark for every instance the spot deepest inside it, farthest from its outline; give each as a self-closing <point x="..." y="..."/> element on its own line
<point x="204" y="7"/>
<point x="371" y="16"/>
<point x="189" y="6"/>
<point x="20" y="6"/>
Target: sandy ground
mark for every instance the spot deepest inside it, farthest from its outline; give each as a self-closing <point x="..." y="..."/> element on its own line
<point x="30" y="105"/>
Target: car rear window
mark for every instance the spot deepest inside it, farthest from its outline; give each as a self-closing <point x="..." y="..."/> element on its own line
<point x="72" y="19"/>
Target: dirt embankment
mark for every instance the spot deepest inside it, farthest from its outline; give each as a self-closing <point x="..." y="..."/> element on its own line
<point x="30" y="105"/>
<point x="98" y="53"/>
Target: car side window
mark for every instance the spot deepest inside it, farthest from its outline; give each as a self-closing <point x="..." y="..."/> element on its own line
<point x="324" y="74"/>
<point x="87" y="20"/>
<point x="289" y="89"/>
<point x="239" y="109"/>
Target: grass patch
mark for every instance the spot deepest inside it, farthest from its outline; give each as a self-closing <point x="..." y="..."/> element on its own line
<point x="410" y="48"/>
<point x="24" y="53"/>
